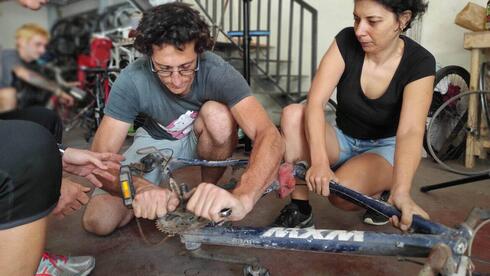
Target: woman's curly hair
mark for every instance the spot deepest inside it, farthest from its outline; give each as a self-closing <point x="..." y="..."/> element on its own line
<point x="176" y="24"/>
<point x="417" y="7"/>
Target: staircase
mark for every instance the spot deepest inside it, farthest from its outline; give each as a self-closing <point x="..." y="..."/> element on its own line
<point x="283" y="45"/>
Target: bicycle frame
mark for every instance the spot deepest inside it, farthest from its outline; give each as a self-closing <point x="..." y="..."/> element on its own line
<point x="429" y="238"/>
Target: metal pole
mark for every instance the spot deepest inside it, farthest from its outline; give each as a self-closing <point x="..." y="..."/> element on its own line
<point x="246" y="55"/>
<point x="246" y="40"/>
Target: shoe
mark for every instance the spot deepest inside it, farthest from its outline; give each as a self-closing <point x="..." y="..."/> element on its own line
<point x="52" y="265"/>
<point x="131" y="131"/>
<point x="372" y="217"/>
<point x="291" y="217"/>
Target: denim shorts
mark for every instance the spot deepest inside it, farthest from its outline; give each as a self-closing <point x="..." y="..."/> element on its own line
<point x="350" y="147"/>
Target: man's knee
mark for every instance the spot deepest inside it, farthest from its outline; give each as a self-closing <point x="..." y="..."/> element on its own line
<point x="218" y="122"/>
<point x="102" y="216"/>
<point x="292" y="116"/>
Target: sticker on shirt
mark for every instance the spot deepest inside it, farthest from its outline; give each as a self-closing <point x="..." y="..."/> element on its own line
<point x="182" y="126"/>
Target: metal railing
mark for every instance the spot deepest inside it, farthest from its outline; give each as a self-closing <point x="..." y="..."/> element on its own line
<point x="288" y="56"/>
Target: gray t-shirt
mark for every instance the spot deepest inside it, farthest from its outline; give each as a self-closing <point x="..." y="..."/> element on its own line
<point x="9" y="58"/>
<point x="138" y="90"/>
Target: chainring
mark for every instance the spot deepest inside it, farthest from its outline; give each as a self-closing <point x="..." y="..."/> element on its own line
<point x="180" y="221"/>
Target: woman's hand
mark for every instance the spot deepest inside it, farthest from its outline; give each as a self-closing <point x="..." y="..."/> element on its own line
<point x="408" y="208"/>
<point x="318" y="179"/>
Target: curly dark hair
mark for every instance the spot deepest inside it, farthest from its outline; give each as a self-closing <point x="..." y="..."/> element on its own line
<point x="417" y="7"/>
<point x="175" y="24"/>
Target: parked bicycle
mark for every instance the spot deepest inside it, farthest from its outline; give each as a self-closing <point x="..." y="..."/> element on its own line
<point x="447" y="127"/>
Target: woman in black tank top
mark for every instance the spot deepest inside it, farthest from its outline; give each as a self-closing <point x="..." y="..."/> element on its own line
<point x="384" y="86"/>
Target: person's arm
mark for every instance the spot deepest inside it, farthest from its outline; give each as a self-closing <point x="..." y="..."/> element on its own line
<point x="109" y="138"/>
<point x="417" y="97"/>
<point x="31" y="4"/>
<point x="266" y="154"/>
<point x="208" y="199"/>
<point x="326" y="79"/>
<point x="90" y="164"/>
<point x="39" y="81"/>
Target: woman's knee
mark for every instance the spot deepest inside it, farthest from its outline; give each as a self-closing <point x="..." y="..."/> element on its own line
<point x="292" y="117"/>
<point x="218" y="121"/>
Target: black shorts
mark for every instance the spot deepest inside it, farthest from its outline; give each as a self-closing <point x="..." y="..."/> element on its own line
<point x="30" y="173"/>
<point x="38" y="114"/>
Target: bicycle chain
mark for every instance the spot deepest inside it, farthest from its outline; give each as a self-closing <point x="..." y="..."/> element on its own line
<point x="180" y="221"/>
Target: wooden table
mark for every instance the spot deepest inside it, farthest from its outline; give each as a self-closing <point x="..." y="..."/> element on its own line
<point x="479" y="44"/>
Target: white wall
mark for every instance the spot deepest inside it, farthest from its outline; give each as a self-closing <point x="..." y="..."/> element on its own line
<point x="444" y="38"/>
<point x="12" y="16"/>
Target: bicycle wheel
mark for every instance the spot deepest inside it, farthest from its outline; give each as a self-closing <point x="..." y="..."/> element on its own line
<point x="330" y="110"/>
<point x="449" y="126"/>
<point x="450" y="81"/>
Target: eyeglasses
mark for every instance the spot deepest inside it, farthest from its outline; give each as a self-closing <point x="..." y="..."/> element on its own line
<point x="167" y="73"/>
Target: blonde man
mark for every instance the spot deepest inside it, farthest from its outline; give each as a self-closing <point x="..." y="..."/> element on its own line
<point x="17" y="67"/>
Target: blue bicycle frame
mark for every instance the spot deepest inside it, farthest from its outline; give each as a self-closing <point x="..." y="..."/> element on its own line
<point x="451" y="244"/>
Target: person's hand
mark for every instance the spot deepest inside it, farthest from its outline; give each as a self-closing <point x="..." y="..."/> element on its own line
<point x="153" y="202"/>
<point x="33" y="4"/>
<point x="73" y="197"/>
<point x="318" y="179"/>
<point x="88" y="164"/>
<point x="408" y="208"/>
<point x="66" y="99"/>
<point x="208" y="200"/>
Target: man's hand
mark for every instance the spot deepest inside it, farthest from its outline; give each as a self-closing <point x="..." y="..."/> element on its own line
<point x="408" y="208"/>
<point x="153" y="202"/>
<point x="88" y="164"/>
<point x="73" y="197"/>
<point x="66" y="99"/>
<point x="318" y="179"/>
<point x="208" y="200"/>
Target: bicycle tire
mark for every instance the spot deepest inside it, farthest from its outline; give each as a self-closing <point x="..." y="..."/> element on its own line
<point x="453" y="114"/>
<point x="450" y="81"/>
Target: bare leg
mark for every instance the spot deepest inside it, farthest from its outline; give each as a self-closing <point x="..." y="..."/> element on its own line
<point x="8" y="99"/>
<point x="217" y="135"/>
<point x="104" y="214"/>
<point x="25" y="243"/>
<point x="368" y="173"/>
<point x="297" y="149"/>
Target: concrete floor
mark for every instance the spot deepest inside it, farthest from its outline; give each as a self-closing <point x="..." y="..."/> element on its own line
<point x="125" y="253"/>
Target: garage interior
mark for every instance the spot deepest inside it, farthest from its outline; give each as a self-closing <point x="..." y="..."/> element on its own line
<point x="277" y="46"/>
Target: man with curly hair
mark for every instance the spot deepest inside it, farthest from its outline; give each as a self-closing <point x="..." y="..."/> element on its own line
<point x="194" y="101"/>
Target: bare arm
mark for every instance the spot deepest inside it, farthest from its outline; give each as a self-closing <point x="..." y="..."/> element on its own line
<point x="416" y="102"/>
<point x="319" y="174"/>
<point x="266" y="154"/>
<point x="37" y="80"/>
<point x="31" y="4"/>
<point x="328" y="75"/>
<point x="109" y="138"/>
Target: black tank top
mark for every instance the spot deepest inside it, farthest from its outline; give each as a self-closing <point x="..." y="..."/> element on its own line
<point x="364" y="118"/>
